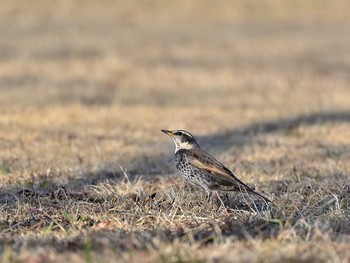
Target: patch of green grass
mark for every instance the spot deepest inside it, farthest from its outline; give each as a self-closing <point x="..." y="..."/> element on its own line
<point x="5" y="168"/>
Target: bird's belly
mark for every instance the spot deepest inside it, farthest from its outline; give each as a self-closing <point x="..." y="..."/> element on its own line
<point x="194" y="176"/>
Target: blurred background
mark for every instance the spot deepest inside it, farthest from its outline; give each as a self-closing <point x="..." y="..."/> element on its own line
<point x="87" y="84"/>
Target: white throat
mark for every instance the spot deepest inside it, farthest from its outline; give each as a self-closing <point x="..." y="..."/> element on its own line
<point x="182" y="146"/>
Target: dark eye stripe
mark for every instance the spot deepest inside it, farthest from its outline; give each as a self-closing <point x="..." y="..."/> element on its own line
<point x="178" y="133"/>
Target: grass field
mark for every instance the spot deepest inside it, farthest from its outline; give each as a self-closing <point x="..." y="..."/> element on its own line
<point x="86" y="86"/>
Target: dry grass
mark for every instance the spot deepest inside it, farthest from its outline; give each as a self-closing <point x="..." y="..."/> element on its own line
<point x="85" y="173"/>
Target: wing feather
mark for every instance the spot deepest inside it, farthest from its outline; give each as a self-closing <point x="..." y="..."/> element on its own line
<point x="212" y="168"/>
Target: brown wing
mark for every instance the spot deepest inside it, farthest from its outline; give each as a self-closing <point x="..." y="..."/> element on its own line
<point x="214" y="168"/>
<point x="211" y="165"/>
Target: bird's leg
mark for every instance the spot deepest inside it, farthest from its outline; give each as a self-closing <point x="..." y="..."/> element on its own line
<point x="222" y="203"/>
<point x="208" y="198"/>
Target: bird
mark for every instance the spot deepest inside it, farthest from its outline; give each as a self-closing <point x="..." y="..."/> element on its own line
<point x="202" y="170"/>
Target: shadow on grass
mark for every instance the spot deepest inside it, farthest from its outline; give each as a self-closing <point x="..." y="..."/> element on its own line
<point x="244" y="135"/>
<point x="162" y="164"/>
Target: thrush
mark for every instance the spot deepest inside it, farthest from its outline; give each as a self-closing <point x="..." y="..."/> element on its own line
<point x="201" y="169"/>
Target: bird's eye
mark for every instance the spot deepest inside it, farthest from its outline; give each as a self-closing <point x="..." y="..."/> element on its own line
<point x="178" y="133"/>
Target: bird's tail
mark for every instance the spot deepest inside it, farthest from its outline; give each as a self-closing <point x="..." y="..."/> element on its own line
<point x="243" y="186"/>
<point x="249" y="190"/>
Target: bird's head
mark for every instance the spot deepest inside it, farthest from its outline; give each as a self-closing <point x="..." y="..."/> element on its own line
<point x="182" y="139"/>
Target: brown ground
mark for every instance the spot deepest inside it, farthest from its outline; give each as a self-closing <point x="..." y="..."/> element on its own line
<point x="85" y="87"/>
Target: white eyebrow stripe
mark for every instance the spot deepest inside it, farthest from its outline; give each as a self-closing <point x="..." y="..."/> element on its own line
<point x="185" y="133"/>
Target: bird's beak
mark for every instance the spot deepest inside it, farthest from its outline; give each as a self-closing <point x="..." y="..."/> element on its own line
<point x="170" y="133"/>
